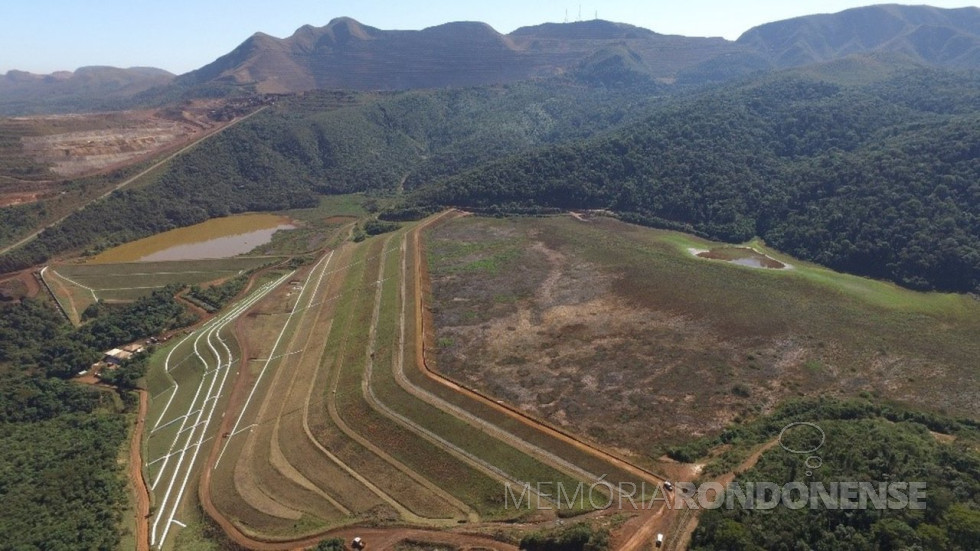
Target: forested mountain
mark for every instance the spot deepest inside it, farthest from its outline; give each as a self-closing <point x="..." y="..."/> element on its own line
<point x="864" y="165"/>
<point x="346" y="54"/>
<point x="88" y="88"/>
<point x="927" y="35"/>
<point x="878" y="179"/>
<point x="328" y="142"/>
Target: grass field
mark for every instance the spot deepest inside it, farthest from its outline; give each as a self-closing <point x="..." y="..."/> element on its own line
<point x="618" y="332"/>
<point x="79" y="285"/>
<point x="108" y="277"/>
<point x="187" y="389"/>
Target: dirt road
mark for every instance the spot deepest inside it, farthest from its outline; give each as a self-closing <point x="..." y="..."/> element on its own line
<point x="387" y="537"/>
<point x="682" y="534"/>
<point x="140" y="491"/>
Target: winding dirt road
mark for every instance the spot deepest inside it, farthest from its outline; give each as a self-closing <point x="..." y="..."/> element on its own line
<point x="140" y="491"/>
<point x="388" y="537"/>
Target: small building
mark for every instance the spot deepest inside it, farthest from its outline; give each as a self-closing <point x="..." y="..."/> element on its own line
<point x="117" y="356"/>
<point x="134" y="348"/>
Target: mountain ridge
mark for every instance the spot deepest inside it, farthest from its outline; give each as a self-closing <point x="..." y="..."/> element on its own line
<point x="945" y="37"/>
<point x="347" y="54"/>
<point x="97" y="86"/>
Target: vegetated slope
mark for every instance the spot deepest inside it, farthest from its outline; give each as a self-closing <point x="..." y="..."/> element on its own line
<point x="329" y="142"/>
<point x="863" y="443"/>
<point x="88" y="88"/>
<point x="942" y="37"/>
<point x="347" y="54"/>
<point x="876" y="179"/>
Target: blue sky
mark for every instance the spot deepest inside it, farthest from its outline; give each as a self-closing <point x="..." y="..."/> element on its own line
<point x="43" y="36"/>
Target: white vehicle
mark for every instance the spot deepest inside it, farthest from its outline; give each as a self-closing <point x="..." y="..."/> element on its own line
<point x="660" y="540"/>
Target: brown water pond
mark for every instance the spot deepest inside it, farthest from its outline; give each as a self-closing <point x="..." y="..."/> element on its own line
<point x="216" y="238"/>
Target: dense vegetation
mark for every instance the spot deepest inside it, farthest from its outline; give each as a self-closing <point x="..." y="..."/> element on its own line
<point x="871" y="172"/>
<point x="127" y="374"/>
<point x="577" y="537"/>
<point x="864" y="443"/>
<point x="214" y="297"/>
<point x="878" y="179"/>
<point x="331" y="544"/>
<point x="34" y="339"/>
<point x="60" y="483"/>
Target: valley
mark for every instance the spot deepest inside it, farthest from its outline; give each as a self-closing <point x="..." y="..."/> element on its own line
<point x="339" y="398"/>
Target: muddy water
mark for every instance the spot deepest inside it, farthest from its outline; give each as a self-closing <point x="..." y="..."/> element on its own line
<point x="742" y="256"/>
<point x="752" y="263"/>
<point x="216" y="238"/>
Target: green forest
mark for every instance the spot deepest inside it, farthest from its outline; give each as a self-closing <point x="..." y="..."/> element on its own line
<point x="879" y="179"/>
<point x="863" y="443"/>
<point x="214" y="297"/>
<point x="61" y="486"/>
<point x="34" y="339"/>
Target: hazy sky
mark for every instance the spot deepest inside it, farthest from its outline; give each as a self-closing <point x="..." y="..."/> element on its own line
<point x="43" y="36"/>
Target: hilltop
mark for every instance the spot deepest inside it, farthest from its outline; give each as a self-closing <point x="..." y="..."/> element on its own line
<point x="347" y="54"/>
<point x="926" y="35"/>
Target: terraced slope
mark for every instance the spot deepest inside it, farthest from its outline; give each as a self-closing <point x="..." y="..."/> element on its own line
<point x="332" y="417"/>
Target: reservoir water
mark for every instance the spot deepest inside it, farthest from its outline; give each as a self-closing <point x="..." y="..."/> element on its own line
<point x="215" y="238"/>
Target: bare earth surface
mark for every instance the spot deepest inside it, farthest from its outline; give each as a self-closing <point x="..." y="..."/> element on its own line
<point x="42" y="152"/>
<point x="611" y="331"/>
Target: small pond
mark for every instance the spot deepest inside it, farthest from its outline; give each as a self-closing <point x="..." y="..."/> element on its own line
<point x="743" y="256"/>
<point x="216" y="238"/>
